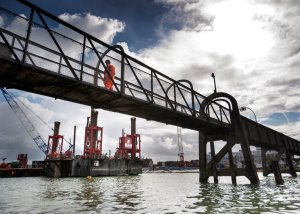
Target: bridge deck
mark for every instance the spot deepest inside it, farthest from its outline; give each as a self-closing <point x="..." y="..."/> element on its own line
<point x="40" y="81"/>
<point x="262" y="136"/>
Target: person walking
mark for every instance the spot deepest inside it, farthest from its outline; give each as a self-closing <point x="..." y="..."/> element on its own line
<point x="112" y="71"/>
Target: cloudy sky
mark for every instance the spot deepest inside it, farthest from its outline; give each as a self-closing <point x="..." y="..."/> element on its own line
<point x="253" y="47"/>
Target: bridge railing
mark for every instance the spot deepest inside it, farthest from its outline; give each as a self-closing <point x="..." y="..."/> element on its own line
<point x="69" y="51"/>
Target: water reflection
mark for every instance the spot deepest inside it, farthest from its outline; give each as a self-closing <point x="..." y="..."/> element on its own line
<point x="264" y="198"/>
<point x="147" y="193"/>
<point x="96" y="194"/>
<point x="124" y="194"/>
<point x="89" y="194"/>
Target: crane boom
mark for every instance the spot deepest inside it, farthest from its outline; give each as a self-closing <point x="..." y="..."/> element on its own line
<point x="25" y="121"/>
<point x="180" y="146"/>
<point x="179" y="138"/>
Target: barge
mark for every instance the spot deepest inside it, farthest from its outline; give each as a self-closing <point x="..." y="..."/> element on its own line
<point x="21" y="172"/>
<point x="92" y="167"/>
<point x="126" y="160"/>
<point x="19" y="168"/>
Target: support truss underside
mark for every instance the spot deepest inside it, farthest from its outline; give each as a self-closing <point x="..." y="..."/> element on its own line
<point x="47" y="83"/>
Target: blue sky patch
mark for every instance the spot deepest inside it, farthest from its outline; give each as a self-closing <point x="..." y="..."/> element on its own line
<point x="278" y="119"/>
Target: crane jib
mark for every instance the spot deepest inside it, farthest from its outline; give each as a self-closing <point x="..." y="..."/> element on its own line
<point x="25" y="121"/>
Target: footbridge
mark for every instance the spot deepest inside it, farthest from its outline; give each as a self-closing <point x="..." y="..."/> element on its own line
<point x="67" y="63"/>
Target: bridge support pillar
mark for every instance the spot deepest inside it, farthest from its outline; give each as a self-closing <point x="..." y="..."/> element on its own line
<point x="202" y="158"/>
<point x="251" y="172"/>
<point x="230" y="142"/>
<point x="266" y="170"/>
<point x="289" y="159"/>
<point x="290" y="163"/>
<point x="277" y="173"/>
<point x="210" y="169"/>
<point x="213" y="159"/>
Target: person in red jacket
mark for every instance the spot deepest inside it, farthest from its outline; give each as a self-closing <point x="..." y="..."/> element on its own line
<point x="112" y="71"/>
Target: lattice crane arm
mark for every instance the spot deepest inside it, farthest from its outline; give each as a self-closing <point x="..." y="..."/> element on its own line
<point x="179" y="138"/>
<point x="25" y="121"/>
<point x="180" y="147"/>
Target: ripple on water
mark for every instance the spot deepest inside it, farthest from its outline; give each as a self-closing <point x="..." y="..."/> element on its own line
<point x="148" y="193"/>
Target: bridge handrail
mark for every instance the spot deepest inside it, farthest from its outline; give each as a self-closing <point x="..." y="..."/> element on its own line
<point x="98" y="41"/>
<point x="50" y="50"/>
<point x="158" y="96"/>
<point x="37" y="24"/>
<point x="70" y="58"/>
<point x="194" y="95"/>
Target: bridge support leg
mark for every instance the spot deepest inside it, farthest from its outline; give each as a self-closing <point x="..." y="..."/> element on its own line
<point x="213" y="158"/>
<point x="289" y="159"/>
<point x="251" y="172"/>
<point x="219" y="156"/>
<point x="277" y="173"/>
<point x="264" y="162"/>
<point x="230" y="140"/>
<point x="296" y="164"/>
<point x="290" y="163"/>
<point x="202" y="158"/>
<point x="239" y="130"/>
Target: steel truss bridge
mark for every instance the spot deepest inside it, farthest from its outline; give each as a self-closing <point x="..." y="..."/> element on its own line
<point x="67" y="63"/>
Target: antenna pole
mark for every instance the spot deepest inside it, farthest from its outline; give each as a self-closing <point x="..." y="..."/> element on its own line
<point x="213" y="76"/>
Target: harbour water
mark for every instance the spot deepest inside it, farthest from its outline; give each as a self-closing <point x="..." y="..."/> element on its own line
<point x="148" y="193"/>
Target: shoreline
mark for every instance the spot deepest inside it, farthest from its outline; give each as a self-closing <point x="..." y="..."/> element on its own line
<point x="181" y="171"/>
<point x="172" y="171"/>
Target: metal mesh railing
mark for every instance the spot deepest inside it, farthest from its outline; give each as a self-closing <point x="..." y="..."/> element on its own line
<point x="81" y="56"/>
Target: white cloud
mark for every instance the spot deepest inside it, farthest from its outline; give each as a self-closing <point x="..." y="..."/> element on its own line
<point x="104" y="29"/>
<point x="1" y="21"/>
<point x="293" y="104"/>
<point x="253" y="50"/>
<point x="16" y="25"/>
<point x="289" y="129"/>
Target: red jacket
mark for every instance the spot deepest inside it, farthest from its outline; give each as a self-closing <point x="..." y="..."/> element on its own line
<point x="112" y="71"/>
